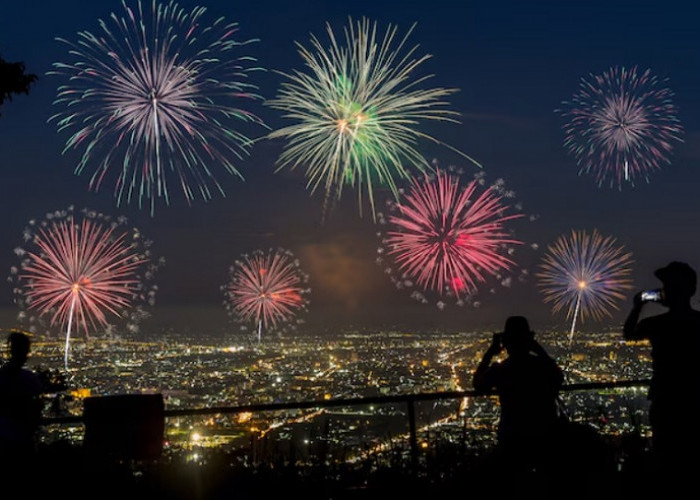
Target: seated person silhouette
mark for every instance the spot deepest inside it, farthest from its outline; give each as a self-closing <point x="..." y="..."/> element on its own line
<point x="20" y="406"/>
<point x="527" y="382"/>
<point x="674" y="336"/>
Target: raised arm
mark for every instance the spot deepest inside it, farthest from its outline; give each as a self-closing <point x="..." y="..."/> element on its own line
<point x="629" y="330"/>
<point x="481" y="380"/>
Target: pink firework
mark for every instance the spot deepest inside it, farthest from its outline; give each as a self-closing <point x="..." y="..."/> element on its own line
<point x="622" y="125"/>
<point x="266" y="288"/>
<point x="448" y="239"/>
<point x="79" y="272"/>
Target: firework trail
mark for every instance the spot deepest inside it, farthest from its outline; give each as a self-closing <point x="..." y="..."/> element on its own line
<point x="584" y="274"/>
<point x="154" y="95"/>
<point x="268" y="289"/>
<point x="80" y="269"/>
<point x="622" y="125"/>
<point x="449" y="238"/>
<point x="356" y="111"/>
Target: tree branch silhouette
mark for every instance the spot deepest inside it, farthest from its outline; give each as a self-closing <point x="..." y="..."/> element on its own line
<point x="13" y="80"/>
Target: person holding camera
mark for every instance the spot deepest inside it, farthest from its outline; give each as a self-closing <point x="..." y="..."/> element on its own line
<point x="527" y="382"/>
<point x="675" y="346"/>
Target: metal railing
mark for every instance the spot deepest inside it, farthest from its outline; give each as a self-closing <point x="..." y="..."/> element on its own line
<point x="409" y="400"/>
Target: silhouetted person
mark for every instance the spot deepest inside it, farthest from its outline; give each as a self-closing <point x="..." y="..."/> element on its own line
<point x="20" y="406"/>
<point x="527" y="382"/>
<point x="675" y="347"/>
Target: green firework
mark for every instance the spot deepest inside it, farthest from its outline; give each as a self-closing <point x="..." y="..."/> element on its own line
<point x="356" y="111"/>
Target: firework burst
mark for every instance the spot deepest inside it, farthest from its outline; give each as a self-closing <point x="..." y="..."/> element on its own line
<point x="448" y="238"/>
<point x="584" y="274"/>
<point x="356" y="111"/>
<point x="80" y="269"/>
<point x="154" y="96"/>
<point x="622" y="125"/>
<point x="267" y="289"/>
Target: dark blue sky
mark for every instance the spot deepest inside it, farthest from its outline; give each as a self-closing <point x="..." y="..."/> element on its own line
<point x="514" y="63"/>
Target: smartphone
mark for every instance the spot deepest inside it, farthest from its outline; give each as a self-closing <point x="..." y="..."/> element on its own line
<point x="651" y="296"/>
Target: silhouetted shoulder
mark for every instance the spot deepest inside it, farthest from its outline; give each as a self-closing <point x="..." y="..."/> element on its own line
<point x="686" y="323"/>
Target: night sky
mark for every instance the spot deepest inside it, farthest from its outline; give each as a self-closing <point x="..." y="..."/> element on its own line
<point x="514" y="62"/>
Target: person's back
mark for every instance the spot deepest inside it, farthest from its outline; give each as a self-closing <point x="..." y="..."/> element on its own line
<point x="674" y="337"/>
<point x="20" y="408"/>
<point x="675" y="346"/>
<point x="527" y="387"/>
<point x="527" y="383"/>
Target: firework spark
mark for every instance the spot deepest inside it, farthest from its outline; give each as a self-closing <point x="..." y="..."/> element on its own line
<point x="357" y="111"/>
<point x="80" y="271"/>
<point x="622" y="125"/>
<point x="447" y="238"/>
<point x="154" y="96"/>
<point x="268" y="289"/>
<point x="585" y="275"/>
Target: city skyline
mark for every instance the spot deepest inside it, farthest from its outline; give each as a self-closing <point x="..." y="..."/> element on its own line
<point x="514" y="64"/>
<point x="205" y="372"/>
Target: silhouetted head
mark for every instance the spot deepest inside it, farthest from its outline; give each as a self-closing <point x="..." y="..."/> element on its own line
<point x="679" y="281"/>
<point x="517" y="336"/>
<point x="19" y="346"/>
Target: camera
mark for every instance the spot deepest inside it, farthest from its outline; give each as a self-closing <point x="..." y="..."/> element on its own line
<point x="651" y="296"/>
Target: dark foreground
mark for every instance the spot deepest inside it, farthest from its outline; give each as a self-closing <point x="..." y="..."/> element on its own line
<point x="612" y="468"/>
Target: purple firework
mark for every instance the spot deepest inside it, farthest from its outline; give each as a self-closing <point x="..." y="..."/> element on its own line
<point x="622" y="125"/>
<point x="585" y="275"/>
<point x="153" y="98"/>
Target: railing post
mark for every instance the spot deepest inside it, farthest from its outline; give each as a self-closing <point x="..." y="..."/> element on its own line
<point x="412" y="432"/>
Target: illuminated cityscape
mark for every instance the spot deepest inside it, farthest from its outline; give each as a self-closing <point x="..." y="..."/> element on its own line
<point x="200" y="373"/>
<point x="275" y="239"/>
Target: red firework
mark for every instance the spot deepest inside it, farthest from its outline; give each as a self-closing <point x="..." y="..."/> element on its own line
<point x="449" y="239"/>
<point x="267" y="288"/>
<point x="79" y="272"/>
